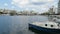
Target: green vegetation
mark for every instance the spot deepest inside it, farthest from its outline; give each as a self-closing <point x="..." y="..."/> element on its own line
<point x="48" y="13"/>
<point x="13" y="12"/>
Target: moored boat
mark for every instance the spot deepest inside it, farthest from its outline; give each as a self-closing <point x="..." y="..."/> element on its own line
<point x="47" y="26"/>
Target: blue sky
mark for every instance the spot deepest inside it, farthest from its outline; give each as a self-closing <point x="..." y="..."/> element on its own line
<point x="36" y="5"/>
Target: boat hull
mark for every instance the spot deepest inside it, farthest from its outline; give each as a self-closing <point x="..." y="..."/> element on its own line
<point x="44" y="29"/>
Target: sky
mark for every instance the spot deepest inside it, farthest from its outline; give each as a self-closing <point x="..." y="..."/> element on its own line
<point x="36" y="5"/>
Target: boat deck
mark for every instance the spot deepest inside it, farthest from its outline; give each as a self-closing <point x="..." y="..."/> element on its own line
<point x="42" y="24"/>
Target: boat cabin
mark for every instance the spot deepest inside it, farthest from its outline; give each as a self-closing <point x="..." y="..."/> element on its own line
<point x="47" y="24"/>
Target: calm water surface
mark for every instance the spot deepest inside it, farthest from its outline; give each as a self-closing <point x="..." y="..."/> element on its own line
<point x="19" y="24"/>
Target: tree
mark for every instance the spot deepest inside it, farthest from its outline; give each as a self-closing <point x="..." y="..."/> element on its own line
<point x="13" y="12"/>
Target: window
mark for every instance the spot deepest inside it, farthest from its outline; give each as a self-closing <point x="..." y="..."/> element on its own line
<point x="51" y="25"/>
<point x="45" y="24"/>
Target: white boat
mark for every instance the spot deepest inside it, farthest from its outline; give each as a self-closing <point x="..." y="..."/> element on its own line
<point x="46" y="26"/>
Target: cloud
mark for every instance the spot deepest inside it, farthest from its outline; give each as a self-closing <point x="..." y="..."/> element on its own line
<point x="5" y="4"/>
<point x="39" y="5"/>
<point x="42" y="0"/>
<point x="20" y="3"/>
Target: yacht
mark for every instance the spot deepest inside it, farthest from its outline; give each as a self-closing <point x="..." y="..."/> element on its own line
<point x="47" y="26"/>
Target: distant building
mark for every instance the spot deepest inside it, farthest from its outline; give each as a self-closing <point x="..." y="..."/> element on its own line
<point x="1" y="10"/>
<point x="51" y="11"/>
<point x="26" y="12"/>
<point x="5" y="11"/>
<point x="59" y="7"/>
<point x="55" y="9"/>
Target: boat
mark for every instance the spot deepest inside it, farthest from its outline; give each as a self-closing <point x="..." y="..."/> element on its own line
<point x="47" y="26"/>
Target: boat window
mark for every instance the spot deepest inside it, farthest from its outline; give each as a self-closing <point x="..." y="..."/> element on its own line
<point x="45" y="24"/>
<point x="58" y="24"/>
<point x="51" y="25"/>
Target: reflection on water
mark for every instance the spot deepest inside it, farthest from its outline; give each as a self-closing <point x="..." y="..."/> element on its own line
<point x="18" y="24"/>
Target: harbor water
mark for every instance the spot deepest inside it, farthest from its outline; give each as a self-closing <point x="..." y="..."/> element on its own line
<point x="19" y="24"/>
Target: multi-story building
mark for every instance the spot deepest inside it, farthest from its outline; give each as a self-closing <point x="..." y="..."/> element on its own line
<point x="51" y="11"/>
<point x="59" y="7"/>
